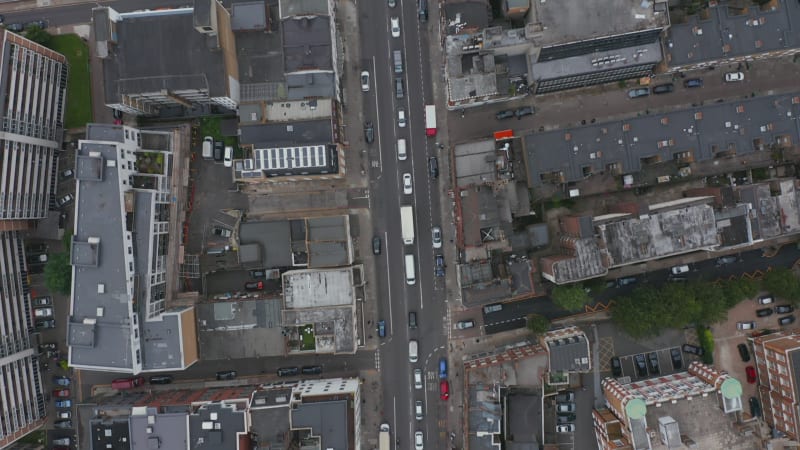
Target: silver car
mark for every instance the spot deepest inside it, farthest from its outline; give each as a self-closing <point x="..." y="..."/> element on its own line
<point x="436" y="236"/>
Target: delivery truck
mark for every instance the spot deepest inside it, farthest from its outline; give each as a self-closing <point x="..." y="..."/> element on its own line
<point x="384" y="437"/>
<point x="407" y="222"/>
<point x="430" y="120"/>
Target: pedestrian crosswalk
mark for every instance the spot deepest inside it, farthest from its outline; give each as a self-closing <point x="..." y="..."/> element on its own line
<point x="378" y="360"/>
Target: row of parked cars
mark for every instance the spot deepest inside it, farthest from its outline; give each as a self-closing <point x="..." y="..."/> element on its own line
<point x="648" y="363"/>
<point x="565" y="412"/>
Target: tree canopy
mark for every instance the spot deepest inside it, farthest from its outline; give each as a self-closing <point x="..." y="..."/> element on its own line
<point x="537" y="324"/>
<point x="782" y="283"/>
<point x="571" y="297"/>
<point x="58" y="273"/>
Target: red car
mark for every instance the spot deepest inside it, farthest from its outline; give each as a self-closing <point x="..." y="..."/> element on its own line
<point x="254" y="286"/>
<point x="61" y="393"/>
<point x="751" y="374"/>
<point x="444" y="390"/>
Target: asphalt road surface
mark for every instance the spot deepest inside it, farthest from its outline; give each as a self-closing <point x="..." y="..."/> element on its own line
<point x="396" y="298"/>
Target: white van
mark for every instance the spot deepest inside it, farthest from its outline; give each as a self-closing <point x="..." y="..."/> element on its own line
<point x="412" y="351"/>
<point x="401" y="150"/>
<point x="228" y="161"/>
<point x="411" y="277"/>
<point x="208" y="147"/>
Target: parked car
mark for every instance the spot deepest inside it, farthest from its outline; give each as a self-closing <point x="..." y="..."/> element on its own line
<point x="663" y="88"/>
<point x="37" y="23"/>
<point x="444" y="390"/>
<point x="418" y="410"/>
<point x="442" y="368"/>
<point x="751" y="374"/>
<point x="47" y="346"/>
<point x="438" y="261"/>
<point x="765" y="300"/>
<point x="565" y="418"/>
<point x="677" y="270"/>
<point x="226" y="375"/>
<point x="731" y="77"/>
<point x="222" y="232"/>
<point x="50" y="323"/>
<point x="749" y="325"/>
<point x="565" y="428"/>
<point x="492" y="308"/>
<point x="61" y="393"/>
<point x="66" y="200"/>
<point x="764" y="312"/>
<point x="784" y="309"/>
<point x="63" y="403"/>
<point x="311" y="370"/>
<point x="565" y="397"/>
<point x="436" y="237"/>
<point x="288" y="371"/>
<point x="62" y="424"/>
<point x="417" y="378"/>
<point x="652" y="360"/>
<point x="677" y="359"/>
<point x="15" y="27"/>
<point x="161" y="379"/>
<point x="693" y="349"/>
<point x="127" y="383"/>
<point x="524" y="111"/>
<point x="639" y="92"/>
<point x="254" y="286"/>
<point x="364" y="81"/>
<point x="43" y="301"/>
<point x="743" y="352"/>
<point x="693" y="83"/>
<point x="641" y="365"/>
<point x="369" y="132"/>
<point x="381" y="328"/>
<point x="64" y="415"/>
<point x="616" y="367"/>
<point x="419" y="440"/>
<point x="395" y="25"/>
<point x="505" y="114"/>
<point x="376" y="245"/>
<point x="626" y="281"/>
<point x="725" y="260"/>
<point x="258" y="273"/>
<point x="433" y="167"/>
<point x="41" y="313"/>
<point x="464" y="324"/>
<point x="787" y="320"/>
<point x="67" y="174"/>
<point x="61" y="381"/>
<point x="755" y="407"/>
<point x="565" y="407"/>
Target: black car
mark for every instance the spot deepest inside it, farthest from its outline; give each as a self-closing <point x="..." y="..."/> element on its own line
<point x="258" y="273"/>
<point x="784" y="309"/>
<point x="764" y="312"/>
<point x="565" y="418"/>
<point x="505" y="114"/>
<point x="412" y="320"/>
<point x="663" y="88"/>
<point x="616" y="367"/>
<point x="743" y="352"/>
<point x="311" y="370"/>
<point x="433" y="167"/>
<point x="693" y="83"/>
<point x="161" y="379"/>
<point x="62" y="220"/>
<point x="376" y="245"/>
<point x="565" y="397"/>
<point x="677" y="360"/>
<point x="219" y="151"/>
<point x="693" y="349"/>
<point x="652" y="359"/>
<point x="439" y="265"/>
<point x="226" y="375"/>
<point x="725" y="260"/>
<point x="524" y="111"/>
<point x="37" y="23"/>
<point x="369" y="132"/>
<point x="15" y="27"/>
<point x="787" y="320"/>
<point x="63" y="424"/>
<point x="755" y="407"/>
<point x="288" y="371"/>
<point x="641" y="365"/>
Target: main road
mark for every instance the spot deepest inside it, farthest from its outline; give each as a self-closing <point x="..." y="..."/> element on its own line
<point x="396" y="297"/>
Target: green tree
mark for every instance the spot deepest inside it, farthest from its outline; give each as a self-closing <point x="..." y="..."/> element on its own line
<point x="739" y="289"/>
<point x="58" y="273"/>
<point x="537" y="324"/>
<point x="571" y="297"/>
<point x="782" y="283"/>
<point x="38" y="35"/>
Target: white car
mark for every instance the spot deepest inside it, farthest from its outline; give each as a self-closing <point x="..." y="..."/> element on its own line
<point x="565" y="428"/>
<point x="734" y="76"/>
<point x="436" y="237"/>
<point x="228" y="160"/>
<point x="746" y="325"/>
<point x="418" y="440"/>
<point x="417" y="378"/>
<point x="765" y="300"/>
<point x="364" y="81"/>
<point x="677" y="270"/>
<point x="43" y="312"/>
<point x="401" y="117"/>
<point x="395" y="27"/>
<point x="407" y="189"/>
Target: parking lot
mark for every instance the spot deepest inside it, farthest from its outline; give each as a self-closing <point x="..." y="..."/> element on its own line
<point x="663" y="361"/>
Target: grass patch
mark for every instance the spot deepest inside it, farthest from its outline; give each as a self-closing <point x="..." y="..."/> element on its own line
<point x="307" y="338"/>
<point x="79" y="93"/>
<point x="706" y="343"/>
<point x="36" y="437"/>
<point x="210" y="126"/>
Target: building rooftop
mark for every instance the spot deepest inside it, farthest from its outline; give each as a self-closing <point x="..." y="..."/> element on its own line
<point x="317" y="289"/>
<point x="568" y="350"/>
<point x="248" y="16"/>
<point x="110" y="432"/>
<point x="307" y="44"/>
<point x="466" y="15"/>
<point x="326" y="419"/>
<point x="150" y="428"/>
<point x="597" y="61"/>
<point x="290" y="8"/>
<point x="273" y="135"/>
<point x="724" y="34"/>
<point x="574" y="20"/>
<point x="475" y="163"/>
<point x="142" y="64"/>
<point x="740" y="126"/>
<point x="216" y="426"/>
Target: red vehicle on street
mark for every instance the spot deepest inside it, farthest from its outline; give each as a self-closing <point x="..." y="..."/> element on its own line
<point x="751" y="374"/>
<point x="444" y="390"/>
<point x="61" y="393"/>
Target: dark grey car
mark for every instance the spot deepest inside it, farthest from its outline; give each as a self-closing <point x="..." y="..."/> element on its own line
<point x="524" y="111"/>
<point x="369" y="132"/>
<point x="638" y="92"/>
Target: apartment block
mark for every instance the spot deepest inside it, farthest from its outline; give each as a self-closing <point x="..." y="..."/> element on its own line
<point x="777" y="359"/>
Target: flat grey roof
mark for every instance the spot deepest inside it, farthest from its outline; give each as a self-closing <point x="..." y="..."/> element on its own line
<point x="705" y="131"/>
<point x="307" y="43"/>
<point x="467" y="14"/>
<point x="287" y="134"/>
<point x="725" y="35"/>
<point x="141" y="63"/>
<point x="326" y="419"/>
<point x="303" y="7"/>
<point x="480" y="216"/>
<point x="274" y="239"/>
<point x="577" y="20"/>
<point x="215" y="426"/>
<point x="597" y="62"/>
<point x="249" y="16"/>
<point x="318" y="288"/>
<point x="259" y="62"/>
<point x="110" y="432"/>
<point x="165" y="430"/>
<point x="475" y="163"/>
<point x="484" y="417"/>
<point x="569" y="354"/>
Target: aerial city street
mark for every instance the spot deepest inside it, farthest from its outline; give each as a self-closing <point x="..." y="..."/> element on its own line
<point x="372" y="225"/>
